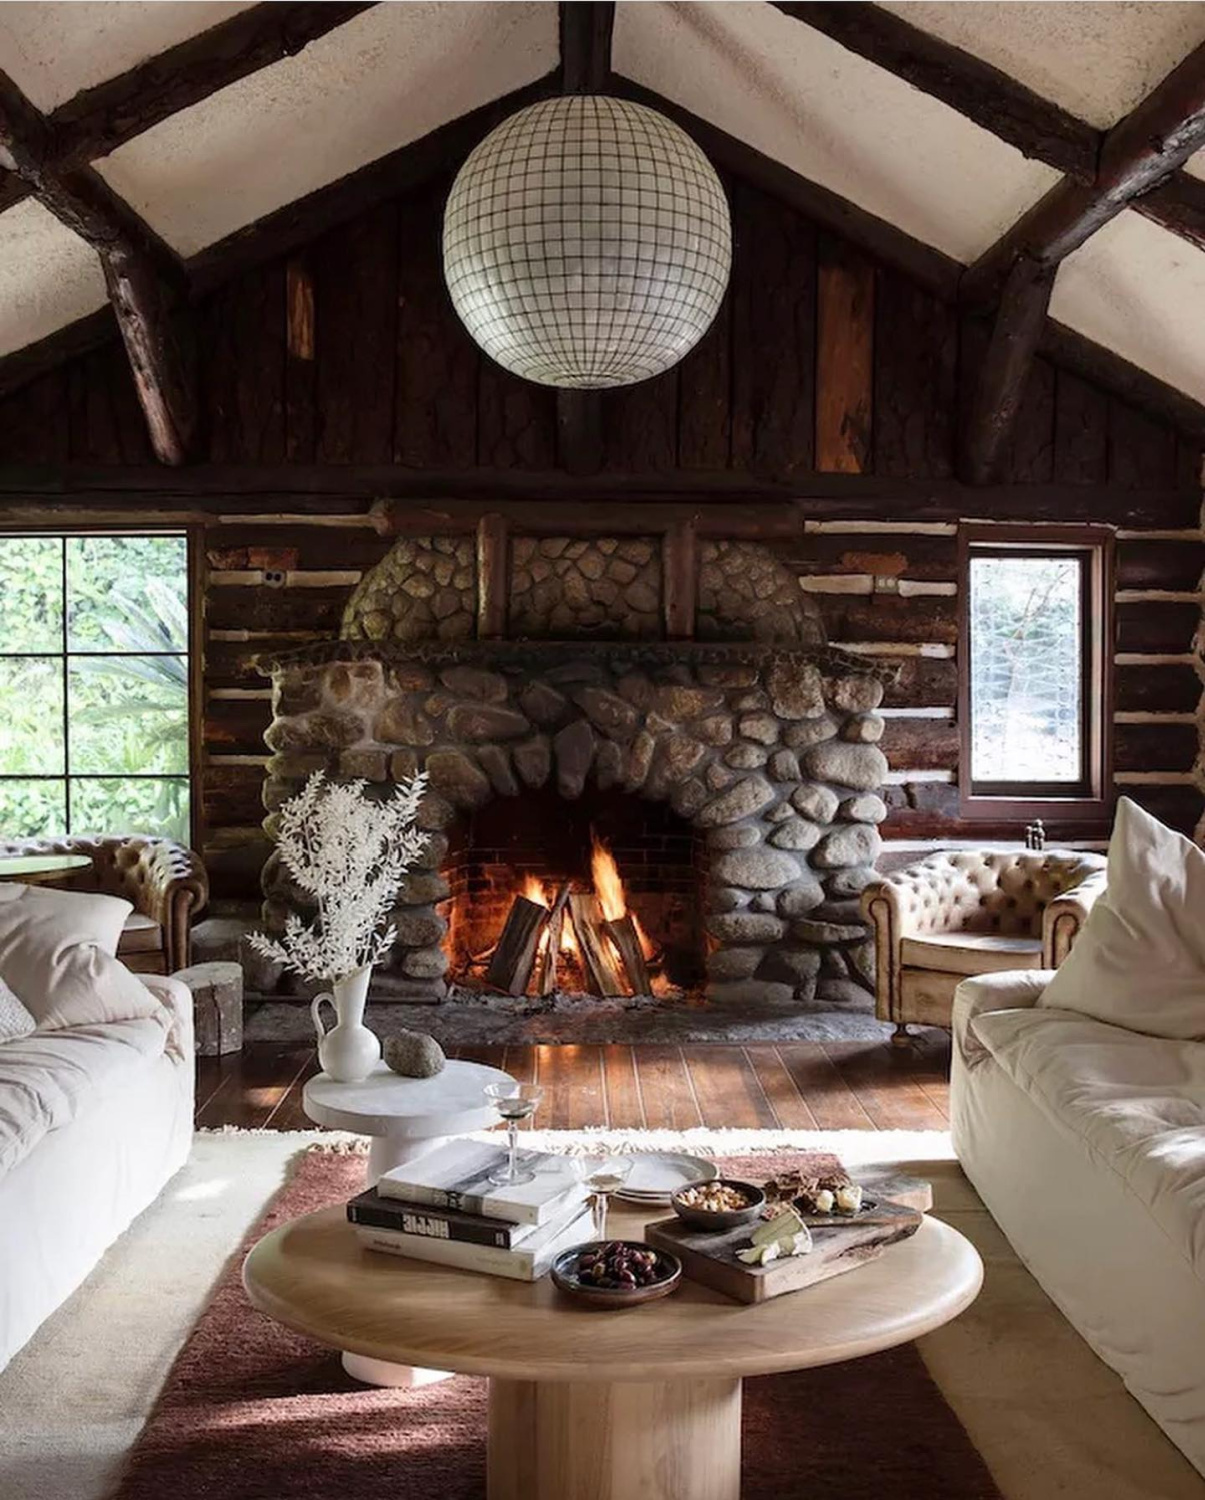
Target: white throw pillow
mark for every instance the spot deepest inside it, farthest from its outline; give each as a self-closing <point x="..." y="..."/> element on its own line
<point x="1140" y="960"/>
<point x="56" y="953"/>
<point x="15" y="1020"/>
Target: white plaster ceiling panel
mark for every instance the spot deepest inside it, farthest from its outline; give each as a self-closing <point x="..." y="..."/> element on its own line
<point x="52" y="51"/>
<point x="1097" y="60"/>
<point x="1140" y="291"/>
<point x="833" y="117"/>
<point x="48" y="276"/>
<point x="388" y="77"/>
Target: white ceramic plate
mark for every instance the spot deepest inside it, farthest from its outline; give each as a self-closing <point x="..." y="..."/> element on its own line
<point x="657" y="1175"/>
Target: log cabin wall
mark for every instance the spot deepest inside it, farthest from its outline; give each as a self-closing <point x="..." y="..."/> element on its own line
<point x="821" y="362"/>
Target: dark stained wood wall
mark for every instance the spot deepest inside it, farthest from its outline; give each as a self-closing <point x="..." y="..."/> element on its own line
<point x="820" y="362"/>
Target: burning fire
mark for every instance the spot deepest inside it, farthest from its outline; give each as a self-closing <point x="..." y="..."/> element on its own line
<point x="608" y="887"/>
<point x="533" y="890"/>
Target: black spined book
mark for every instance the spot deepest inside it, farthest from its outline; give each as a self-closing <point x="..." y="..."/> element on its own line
<point x="373" y="1211"/>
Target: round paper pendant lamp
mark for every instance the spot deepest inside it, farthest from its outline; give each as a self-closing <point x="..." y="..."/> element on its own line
<point x="587" y="243"/>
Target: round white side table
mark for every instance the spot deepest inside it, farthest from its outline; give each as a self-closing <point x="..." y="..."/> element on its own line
<point x="405" y="1117"/>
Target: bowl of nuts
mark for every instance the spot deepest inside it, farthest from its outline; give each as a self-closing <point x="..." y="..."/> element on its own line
<point x="616" y="1273"/>
<point x="723" y="1203"/>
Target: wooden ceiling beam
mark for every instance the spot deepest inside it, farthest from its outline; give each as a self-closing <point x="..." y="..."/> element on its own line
<point x="1001" y="384"/>
<point x="146" y="281"/>
<point x="1177" y="205"/>
<point x="96" y="121"/>
<point x="1141" y="152"/>
<point x="586" y="30"/>
<point x="975" y="89"/>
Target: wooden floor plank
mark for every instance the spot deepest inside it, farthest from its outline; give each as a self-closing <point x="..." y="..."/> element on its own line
<point x="881" y="1077"/>
<point x="288" y="1114"/>
<point x="249" y="1093"/>
<point x="727" y="1088"/>
<point x="665" y="1089"/>
<point x="791" y="1110"/>
<point x="572" y="1080"/>
<point x="833" y="1104"/>
<point x="625" y="1111"/>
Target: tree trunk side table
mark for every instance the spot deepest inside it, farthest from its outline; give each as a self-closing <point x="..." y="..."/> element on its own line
<point x="217" y="996"/>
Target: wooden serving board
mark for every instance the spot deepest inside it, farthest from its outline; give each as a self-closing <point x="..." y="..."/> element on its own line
<point x="711" y="1259"/>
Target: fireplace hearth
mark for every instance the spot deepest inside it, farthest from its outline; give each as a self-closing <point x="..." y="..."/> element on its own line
<point x="610" y="814"/>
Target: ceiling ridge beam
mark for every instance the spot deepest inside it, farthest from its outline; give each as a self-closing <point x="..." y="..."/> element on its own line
<point x="975" y="89"/>
<point x="586" y="30"/>
<point x="1138" y="154"/>
<point x="146" y="281"/>
<point x="96" y="121"/>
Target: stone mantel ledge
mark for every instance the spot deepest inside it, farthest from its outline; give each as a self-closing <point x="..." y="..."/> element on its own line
<point x="542" y="654"/>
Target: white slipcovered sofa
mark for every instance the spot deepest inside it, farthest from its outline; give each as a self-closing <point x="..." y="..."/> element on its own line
<point x="1078" y="1113"/>
<point x="95" y="1117"/>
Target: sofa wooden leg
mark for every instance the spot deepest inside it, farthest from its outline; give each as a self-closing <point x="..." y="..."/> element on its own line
<point x="900" y="1036"/>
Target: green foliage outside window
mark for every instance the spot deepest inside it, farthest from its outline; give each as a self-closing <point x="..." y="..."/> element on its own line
<point x="94" y="685"/>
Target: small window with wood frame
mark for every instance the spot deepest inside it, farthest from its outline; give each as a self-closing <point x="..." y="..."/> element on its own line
<point x="1035" y="671"/>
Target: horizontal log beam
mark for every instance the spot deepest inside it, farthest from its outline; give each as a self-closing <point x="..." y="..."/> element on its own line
<point x="976" y="89"/>
<point x="1141" y="151"/>
<point x="146" y="281"/>
<point x="1177" y="205"/>
<point x="586" y="28"/>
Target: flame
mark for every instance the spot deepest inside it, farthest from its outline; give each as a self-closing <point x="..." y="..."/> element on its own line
<point x="533" y="890"/>
<point x="646" y="942"/>
<point x="608" y="887"/>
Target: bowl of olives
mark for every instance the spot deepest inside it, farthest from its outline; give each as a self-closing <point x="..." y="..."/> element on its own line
<point x="723" y="1203"/>
<point x="616" y="1273"/>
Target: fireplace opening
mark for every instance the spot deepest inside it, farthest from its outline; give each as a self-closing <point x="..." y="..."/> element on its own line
<point x="601" y="895"/>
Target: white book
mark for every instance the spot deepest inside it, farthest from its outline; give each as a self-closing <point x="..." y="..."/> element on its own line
<point x="457" y="1175"/>
<point x="526" y="1263"/>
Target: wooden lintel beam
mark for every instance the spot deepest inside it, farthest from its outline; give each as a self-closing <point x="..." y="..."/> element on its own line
<point x="146" y="281"/>
<point x="1140" y="152"/>
<point x="974" y="88"/>
<point x="1010" y="355"/>
<point x="586" y="28"/>
<point x="98" y="120"/>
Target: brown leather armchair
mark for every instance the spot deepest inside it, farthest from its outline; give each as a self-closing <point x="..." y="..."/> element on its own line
<point x="967" y="912"/>
<point x="165" y="882"/>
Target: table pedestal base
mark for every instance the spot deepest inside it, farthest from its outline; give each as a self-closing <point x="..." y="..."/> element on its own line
<point x="383" y="1373"/>
<point x="587" y="1440"/>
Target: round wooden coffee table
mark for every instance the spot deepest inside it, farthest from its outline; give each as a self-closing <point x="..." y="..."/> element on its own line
<point x="41" y="869"/>
<point x="587" y="1405"/>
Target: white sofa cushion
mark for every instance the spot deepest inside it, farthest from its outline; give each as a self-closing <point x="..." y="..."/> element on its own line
<point x="971" y="953"/>
<point x="56" y="954"/>
<point x="15" y="1020"/>
<point x="1135" y="1103"/>
<point x="53" y="1077"/>
<point x="1140" y="960"/>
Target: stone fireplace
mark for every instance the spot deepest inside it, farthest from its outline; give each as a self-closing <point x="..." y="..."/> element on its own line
<point x="733" y="777"/>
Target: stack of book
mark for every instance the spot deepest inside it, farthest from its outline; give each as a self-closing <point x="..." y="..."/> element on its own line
<point x="442" y="1207"/>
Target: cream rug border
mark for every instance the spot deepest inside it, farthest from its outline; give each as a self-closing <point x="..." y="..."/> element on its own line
<point x="1050" y="1420"/>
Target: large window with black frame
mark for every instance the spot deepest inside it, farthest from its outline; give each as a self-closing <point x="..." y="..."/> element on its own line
<point x="94" y="684"/>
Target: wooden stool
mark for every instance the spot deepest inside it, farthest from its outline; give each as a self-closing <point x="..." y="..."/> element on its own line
<point x="217" y="994"/>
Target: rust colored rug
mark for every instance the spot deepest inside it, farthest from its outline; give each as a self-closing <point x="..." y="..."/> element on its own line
<point x="251" y="1411"/>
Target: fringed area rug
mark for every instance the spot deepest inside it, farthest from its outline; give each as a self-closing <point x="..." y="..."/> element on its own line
<point x="251" y="1411"/>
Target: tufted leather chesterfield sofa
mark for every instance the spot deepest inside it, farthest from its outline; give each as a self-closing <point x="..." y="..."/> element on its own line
<point x="969" y="912"/>
<point x="165" y="883"/>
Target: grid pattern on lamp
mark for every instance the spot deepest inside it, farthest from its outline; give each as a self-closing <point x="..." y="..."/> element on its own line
<point x="587" y="242"/>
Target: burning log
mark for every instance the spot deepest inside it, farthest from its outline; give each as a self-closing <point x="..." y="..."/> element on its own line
<point x="511" y="964"/>
<point x="552" y="944"/>
<point x="598" y="957"/>
<point x="623" y="934"/>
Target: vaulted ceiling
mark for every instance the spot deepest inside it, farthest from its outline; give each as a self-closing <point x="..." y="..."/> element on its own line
<point x="200" y="119"/>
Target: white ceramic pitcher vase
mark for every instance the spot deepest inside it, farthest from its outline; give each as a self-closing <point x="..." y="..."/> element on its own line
<point x="348" y="1052"/>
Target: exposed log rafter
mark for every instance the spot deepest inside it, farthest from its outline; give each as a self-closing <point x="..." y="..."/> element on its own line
<point x="146" y="281"/>
<point x="586" y="28"/>
<point x="1001" y="385"/>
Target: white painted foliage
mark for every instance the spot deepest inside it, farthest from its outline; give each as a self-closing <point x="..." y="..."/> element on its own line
<point x="350" y="854"/>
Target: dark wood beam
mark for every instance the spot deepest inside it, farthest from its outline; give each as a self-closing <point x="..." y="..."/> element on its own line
<point x="98" y="120"/>
<point x="974" y="88"/>
<point x="718" y="501"/>
<point x="146" y="281"/>
<point x="1006" y="368"/>
<point x="1141" y="151"/>
<point x="586" y="28"/>
<point x="1178" y="205"/>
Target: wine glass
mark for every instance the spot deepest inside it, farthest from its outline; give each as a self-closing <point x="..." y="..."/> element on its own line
<point x="514" y="1102"/>
<point x="603" y="1175"/>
